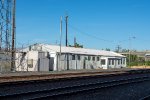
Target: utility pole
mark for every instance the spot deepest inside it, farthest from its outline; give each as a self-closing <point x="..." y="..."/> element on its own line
<point x="75" y="42"/>
<point x="13" y="36"/>
<point x="129" y="51"/>
<point x="67" y="41"/>
<point x="66" y="31"/>
<point x="60" y="43"/>
<point x="118" y="48"/>
<point x="130" y="47"/>
<point x="1" y="31"/>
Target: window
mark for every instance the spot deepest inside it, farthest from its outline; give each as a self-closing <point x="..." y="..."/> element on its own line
<point x="109" y="62"/>
<point x="30" y="63"/>
<point x="103" y="61"/>
<point x="112" y="62"/>
<point x="78" y="56"/>
<point x="97" y="58"/>
<point x="73" y="57"/>
<point x="85" y="58"/>
<point x="89" y="58"/>
<point x="62" y="57"/>
<point x="121" y="61"/>
<point x="93" y="59"/>
<point x="118" y="62"/>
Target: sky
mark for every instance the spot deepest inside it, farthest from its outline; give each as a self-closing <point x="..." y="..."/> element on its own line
<point x="96" y="24"/>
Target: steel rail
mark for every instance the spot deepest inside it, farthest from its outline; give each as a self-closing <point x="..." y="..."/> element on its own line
<point x="78" y="88"/>
<point x="147" y="97"/>
<point x="88" y="87"/>
<point x="66" y="78"/>
<point x="69" y="74"/>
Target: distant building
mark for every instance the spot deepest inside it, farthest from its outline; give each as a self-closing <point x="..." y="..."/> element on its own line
<point x="147" y="57"/>
<point x="44" y="57"/>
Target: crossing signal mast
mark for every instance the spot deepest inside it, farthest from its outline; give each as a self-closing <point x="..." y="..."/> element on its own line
<point x="8" y="30"/>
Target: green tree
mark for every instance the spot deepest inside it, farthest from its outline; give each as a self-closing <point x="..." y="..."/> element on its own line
<point x="107" y="49"/>
<point x="76" y="45"/>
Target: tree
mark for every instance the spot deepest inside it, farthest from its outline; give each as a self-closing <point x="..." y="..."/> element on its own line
<point x="125" y="50"/>
<point x="118" y="48"/>
<point x="76" y="45"/>
<point x="107" y="49"/>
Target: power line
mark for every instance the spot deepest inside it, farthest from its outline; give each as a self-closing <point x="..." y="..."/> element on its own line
<point x="89" y="35"/>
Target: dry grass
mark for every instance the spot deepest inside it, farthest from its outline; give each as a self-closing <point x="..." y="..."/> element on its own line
<point x="148" y="67"/>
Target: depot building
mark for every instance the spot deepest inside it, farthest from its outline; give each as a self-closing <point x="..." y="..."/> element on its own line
<point x="45" y="57"/>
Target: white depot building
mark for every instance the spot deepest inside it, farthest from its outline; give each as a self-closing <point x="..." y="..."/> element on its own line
<point x="45" y="57"/>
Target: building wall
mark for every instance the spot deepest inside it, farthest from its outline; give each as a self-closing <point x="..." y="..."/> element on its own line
<point x="104" y="65"/>
<point x="54" y="56"/>
<point x="32" y="61"/>
<point x="147" y="57"/>
<point x="32" y="55"/>
<point x="42" y="61"/>
<point x="85" y="63"/>
<point x="116" y="62"/>
<point x="27" y="61"/>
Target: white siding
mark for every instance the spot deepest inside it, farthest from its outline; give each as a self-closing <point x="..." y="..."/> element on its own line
<point x="39" y="51"/>
<point x="23" y="59"/>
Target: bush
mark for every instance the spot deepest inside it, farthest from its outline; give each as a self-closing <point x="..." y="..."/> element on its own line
<point x="136" y="63"/>
<point x="147" y="63"/>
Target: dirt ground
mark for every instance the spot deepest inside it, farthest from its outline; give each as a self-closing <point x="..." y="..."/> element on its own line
<point x="140" y="67"/>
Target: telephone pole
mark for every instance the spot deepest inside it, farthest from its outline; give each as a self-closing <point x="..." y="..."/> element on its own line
<point x="13" y="37"/>
<point x="75" y="42"/>
<point x="130" y="48"/>
<point x="67" y="41"/>
<point x="60" y="43"/>
<point x="66" y="31"/>
<point x="118" y="48"/>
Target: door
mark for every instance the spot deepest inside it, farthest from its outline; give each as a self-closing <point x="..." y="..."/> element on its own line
<point x="84" y="64"/>
<point x="51" y="64"/>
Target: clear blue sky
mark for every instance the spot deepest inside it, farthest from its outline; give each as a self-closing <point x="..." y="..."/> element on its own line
<point x="95" y="23"/>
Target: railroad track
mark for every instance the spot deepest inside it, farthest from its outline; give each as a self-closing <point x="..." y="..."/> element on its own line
<point x="83" y="87"/>
<point x="147" y="97"/>
<point x="72" y="88"/>
<point x="66" y="75"/>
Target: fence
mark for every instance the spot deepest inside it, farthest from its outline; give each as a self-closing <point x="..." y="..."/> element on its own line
<point x="5" y="62"/>
<point x="5" y="66"/>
